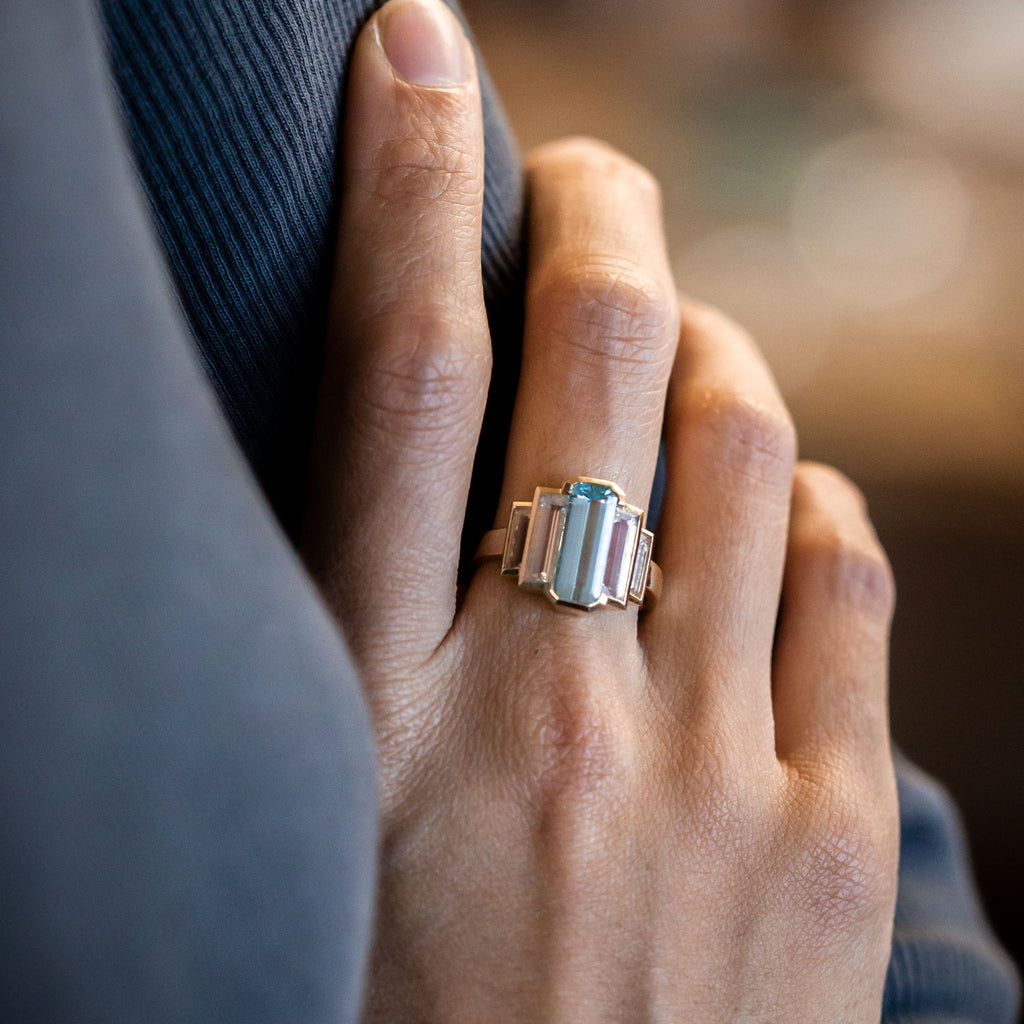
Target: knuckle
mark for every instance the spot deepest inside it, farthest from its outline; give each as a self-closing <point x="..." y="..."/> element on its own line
<point x="430" y="366"/>
<point x="575" y="745"/>
<point x="848" y="567"/>
<point x="750" y="439"/>
<point x="845" y="878"/>
<point x="424" y="169"/>
<point x="607" y="309"/>
<point x="845" y="872"/>
<point x="573" y="769"/>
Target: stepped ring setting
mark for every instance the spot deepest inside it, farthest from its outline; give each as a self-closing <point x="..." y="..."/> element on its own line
<point x="582" y="546"/>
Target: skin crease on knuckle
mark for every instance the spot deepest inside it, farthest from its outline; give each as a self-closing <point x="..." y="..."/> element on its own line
<point x="429" y="378"/>
<point x="840" y="878"/>
<point x="850" y="570"/>
<point x="603" y="311"/>
<point x="577" y="743"/>
<point x="752" y="441"/>
<point x="835" y="547"/>
<point x="420" y="171"/>
<point x="747" y="430"/>
<point x="597" y="293"/>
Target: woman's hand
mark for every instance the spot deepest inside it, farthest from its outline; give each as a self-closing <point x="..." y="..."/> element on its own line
<point x="589" y="818"/>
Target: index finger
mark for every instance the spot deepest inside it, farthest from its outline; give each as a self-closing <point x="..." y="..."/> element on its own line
<point x="408" y="350"/>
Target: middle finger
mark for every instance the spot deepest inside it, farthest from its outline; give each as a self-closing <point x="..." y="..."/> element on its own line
<point x="601" y="326"/>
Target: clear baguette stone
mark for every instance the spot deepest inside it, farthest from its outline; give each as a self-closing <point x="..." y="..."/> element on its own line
<point x="541" y="536"/>
<point x="618" y="572"/>
<point x="515" y="538"/>
<point x="638" y="585"/>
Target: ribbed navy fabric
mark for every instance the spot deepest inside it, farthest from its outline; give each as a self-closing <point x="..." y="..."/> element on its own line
<point x="232" y="109"/>
<point x="945" y="966"/>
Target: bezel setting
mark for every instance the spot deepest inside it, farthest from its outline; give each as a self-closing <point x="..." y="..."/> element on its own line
<point x="582" y="545"/>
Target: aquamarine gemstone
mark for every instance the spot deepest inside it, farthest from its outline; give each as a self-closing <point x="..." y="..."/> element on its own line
<point x="582" y="553"/>
<point x="591" y="490"/>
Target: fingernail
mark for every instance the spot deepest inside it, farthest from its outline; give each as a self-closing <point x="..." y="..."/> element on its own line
<point x="424" y="43"/>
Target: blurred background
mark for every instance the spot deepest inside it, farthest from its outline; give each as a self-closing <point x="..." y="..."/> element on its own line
<point x="847" y="180"/>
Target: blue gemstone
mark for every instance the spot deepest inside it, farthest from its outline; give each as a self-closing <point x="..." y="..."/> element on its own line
<point x="582" y="556"/>
<point x="591" y="491"/>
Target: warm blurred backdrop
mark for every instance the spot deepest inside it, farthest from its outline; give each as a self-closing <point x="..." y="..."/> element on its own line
<point x="847" y="180"/>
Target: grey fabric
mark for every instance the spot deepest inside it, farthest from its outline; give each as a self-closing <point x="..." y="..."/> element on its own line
<point x="186" y="774"/>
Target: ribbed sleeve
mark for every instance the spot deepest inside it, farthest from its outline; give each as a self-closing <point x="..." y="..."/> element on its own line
<point x="946" y="968"/>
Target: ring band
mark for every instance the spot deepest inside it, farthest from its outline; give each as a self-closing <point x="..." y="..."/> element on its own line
<point x="582" y="545"/>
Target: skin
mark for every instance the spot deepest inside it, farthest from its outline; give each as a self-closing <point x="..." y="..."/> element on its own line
<point x="685" y="816"/>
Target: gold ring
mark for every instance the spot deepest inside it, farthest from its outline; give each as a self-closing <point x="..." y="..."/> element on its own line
<point x="582" y="545"/>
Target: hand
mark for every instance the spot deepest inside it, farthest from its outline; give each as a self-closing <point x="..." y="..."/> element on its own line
<point x="589" y="818"/>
